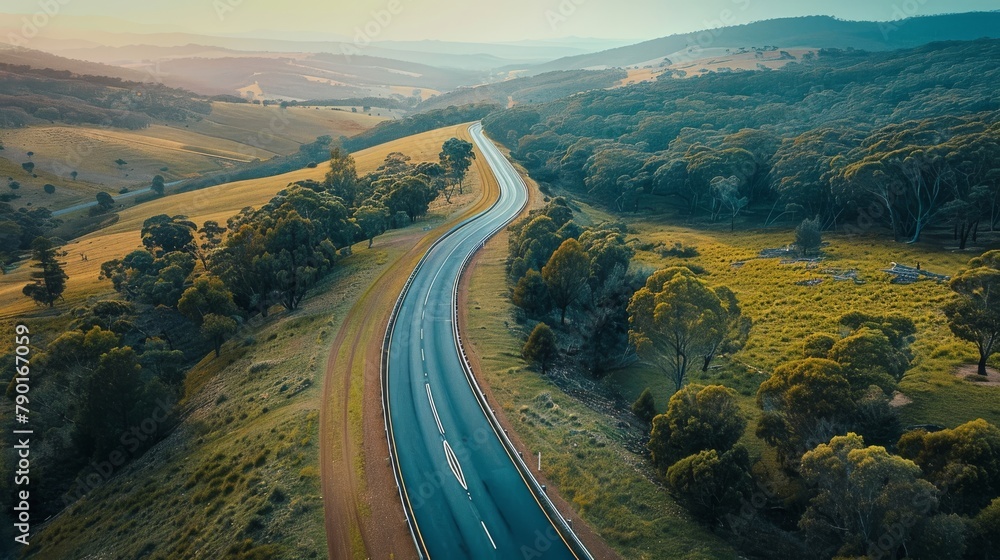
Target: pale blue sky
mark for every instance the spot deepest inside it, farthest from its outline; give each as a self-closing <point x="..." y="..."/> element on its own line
<point x="479" y="20"/>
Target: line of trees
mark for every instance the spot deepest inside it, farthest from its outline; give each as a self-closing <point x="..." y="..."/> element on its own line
<point x="579" y="280"/>
<point x="415" y="124"/>
<point x="671" y="318"/>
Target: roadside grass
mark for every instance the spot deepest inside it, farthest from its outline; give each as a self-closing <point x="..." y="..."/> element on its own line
<point x="214" y="203"/>
<point x="583" y="451"/>
<point x="239" y="476"/>
<point x="369" y="496"/>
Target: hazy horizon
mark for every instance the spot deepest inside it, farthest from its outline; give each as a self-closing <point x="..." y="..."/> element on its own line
<point x="447" y="20"/>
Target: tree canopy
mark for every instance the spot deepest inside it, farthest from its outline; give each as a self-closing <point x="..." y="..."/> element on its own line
<point x="675" y="318"/>
<point x="865" y="499"/>
<point x="698" y="418"/>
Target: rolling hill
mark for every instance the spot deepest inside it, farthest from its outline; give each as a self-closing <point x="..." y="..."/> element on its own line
<point x="39" y="59"/>
<point x="232" y="135"/>
<point x="213" y="203"/>
<point x="248" y="419"/>
<point x="801" y="32"/>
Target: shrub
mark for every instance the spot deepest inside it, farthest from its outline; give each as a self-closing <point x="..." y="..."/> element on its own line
<point x="698" y="418"/>
<point x="818" y="345"/>
<point x="645" y="407"/>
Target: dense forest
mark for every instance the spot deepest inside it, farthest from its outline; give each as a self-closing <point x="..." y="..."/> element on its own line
<point x="32" y="95"/>
<point x="900" y="140"/>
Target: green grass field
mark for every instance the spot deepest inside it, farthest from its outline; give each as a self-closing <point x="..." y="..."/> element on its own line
<point x="784" y="313"/>
<point x="587" y="458"/>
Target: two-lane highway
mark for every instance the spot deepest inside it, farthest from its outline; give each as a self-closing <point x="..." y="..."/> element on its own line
<point x="460" y="485"/>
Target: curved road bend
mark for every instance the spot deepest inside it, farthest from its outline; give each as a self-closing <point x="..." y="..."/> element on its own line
<point x="467" y="497"/>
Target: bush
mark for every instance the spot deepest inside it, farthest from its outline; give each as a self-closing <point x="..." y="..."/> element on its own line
<point x="869" y="358"/>
<point x="818" y="345"/>
<point x="541" y="346"/>
<point x="895" y="326"/>
<point x="531" y="294"/>
<point x="679" y="251"/>
<point x="49" y="188"/>
<point x="712" y="484"/>
<point x="645" y="407"/>
<point x="697" y="419"/>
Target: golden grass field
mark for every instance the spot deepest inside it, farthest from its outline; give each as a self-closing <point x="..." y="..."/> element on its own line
<point x="214" y="203"/>
<point x="31" y="193"/>
<point x="636" y="76"/>
<point x="232" y="134"/>
<point x="714" y="60"/>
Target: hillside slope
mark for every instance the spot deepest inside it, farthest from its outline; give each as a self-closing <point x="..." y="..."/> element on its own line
<point x="238" y="476"/>
<point x="810" y="32"/>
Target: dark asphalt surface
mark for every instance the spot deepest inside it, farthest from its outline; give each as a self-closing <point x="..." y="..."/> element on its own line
<point x="467" y="497"/>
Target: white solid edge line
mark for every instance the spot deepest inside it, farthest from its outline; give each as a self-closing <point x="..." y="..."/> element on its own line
<point x="488" y="535"/>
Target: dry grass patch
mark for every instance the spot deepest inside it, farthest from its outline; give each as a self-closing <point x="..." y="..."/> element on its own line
<point x="233" y="133"/>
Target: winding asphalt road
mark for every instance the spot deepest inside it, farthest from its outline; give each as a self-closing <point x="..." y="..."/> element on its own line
<point x="462" y="490"/>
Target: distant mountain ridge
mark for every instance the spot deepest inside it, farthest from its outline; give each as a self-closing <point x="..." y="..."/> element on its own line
<point x="38" y="59"/>
<point x="810" y="31"/>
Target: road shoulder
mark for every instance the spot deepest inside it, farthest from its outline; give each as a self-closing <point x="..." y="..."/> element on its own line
<point x="595" y="544"/>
